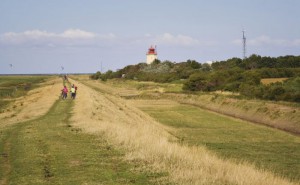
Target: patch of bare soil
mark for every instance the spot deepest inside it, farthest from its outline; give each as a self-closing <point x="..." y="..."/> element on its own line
<point x="36" y="103"/>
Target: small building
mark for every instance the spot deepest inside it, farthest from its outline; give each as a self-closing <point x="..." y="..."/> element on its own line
<point x="151" y="55"/>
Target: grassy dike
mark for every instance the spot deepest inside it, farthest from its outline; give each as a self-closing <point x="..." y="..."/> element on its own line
<point x="49" y="150"/>
<point x="267" y="148"/>
<point x="12" y="87"/>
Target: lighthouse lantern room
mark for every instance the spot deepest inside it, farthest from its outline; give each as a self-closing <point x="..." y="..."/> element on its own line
<point x="151" y="55"/>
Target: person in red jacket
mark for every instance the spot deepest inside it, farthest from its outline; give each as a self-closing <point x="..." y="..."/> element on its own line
<point x="64" y="92"/>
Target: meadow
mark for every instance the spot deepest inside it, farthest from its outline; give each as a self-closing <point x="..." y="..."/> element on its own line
<point x="50" y="150"/>
<point x="278" y="114"/>
<point x="16" y="86"/>
<point x="230" y="138"/>
<point x="129" y="133"/>
<point x="196" y="144"/>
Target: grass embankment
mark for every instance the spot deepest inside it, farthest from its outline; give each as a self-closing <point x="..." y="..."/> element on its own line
<point x="15" y="86"/>
<point x="146" y="140"/>
<point x="49" y="150"/>
<point x="281" y="115"/>
<point x="267" y="148"/>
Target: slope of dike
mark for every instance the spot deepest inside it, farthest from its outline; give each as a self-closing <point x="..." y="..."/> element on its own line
<point x="99" y="111"/>
<point x="277" y="115"/>
<point x="48" y="150"/>
<point x="41" y="138"/>
<point x="36" y="103"/>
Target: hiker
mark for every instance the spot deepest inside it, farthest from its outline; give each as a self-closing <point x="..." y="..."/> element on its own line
<point x="73" y="91"/>
<point x="64" y="92"/>
<point x="66" y="78"/>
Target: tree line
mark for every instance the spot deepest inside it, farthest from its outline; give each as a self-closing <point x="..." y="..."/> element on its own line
<point x="235" y="75"/>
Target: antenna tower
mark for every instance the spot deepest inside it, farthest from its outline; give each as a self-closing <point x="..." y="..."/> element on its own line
<point x="244" y="45"/>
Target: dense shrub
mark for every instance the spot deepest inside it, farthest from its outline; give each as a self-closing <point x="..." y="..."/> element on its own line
<point x="288" y="90"/>
<point x="235" y="74"/>
<point x="197" y="82"/>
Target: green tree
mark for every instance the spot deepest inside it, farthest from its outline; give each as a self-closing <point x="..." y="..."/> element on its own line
<point x="196" y="82"/>
<point x="193" y="64"/>
<point x="155" y="62"/>
<point x="206" y="67"/>
<point x="96" y="76"/>
<point x="252" y="62"/>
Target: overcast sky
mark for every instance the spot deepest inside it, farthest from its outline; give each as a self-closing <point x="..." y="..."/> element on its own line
<point x="41" y="36"/>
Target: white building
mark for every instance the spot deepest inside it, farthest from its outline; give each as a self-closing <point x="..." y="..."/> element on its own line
<point x="151" y="55"/>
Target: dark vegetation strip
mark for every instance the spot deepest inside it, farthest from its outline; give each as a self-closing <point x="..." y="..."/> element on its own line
<point x="49" y="150"/>
<point x="236" y="75"/>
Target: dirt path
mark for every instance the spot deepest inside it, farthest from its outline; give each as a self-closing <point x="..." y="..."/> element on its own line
<point x="145" y="140"/>
<point x="36" y="103"/>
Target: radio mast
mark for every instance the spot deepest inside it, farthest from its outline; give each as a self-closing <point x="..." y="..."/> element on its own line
<point x="244" y="45"/>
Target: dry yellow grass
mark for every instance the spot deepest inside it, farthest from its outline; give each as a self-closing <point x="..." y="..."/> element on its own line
<point x="148" y="142"/>
<point x="267" y="81"/>
<point x="36" y="103"/>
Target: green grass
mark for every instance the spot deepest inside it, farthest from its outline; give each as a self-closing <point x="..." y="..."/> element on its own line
<point x="265" y="147"/>
<point x="49" y="150"/>
<point x="11" y="81"/>
<point x="146" y="86"/>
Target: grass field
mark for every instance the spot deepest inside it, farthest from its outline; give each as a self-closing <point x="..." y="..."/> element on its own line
<point x="16" y="86"/>
<point x="146" y="86"/>
<point x="49" y="150"/>
<point x="100" y="138"/>
<point x="186" y="163"/>
<point x="267" y="148"/>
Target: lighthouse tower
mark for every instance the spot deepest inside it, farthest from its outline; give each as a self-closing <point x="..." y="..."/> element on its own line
<point x="151" y="55"/>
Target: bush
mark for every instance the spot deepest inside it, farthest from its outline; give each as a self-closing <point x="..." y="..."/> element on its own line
<point x="96" y="76"/>
<point x="197" y="82"/>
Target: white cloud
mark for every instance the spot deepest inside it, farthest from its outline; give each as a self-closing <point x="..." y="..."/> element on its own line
<point x="77" y="34"/>
<point x="184" y="40"/>
<point x="77" y="37"/>
<point x="179" y="40"/>
<point x="18" y="38"/>
<point x="70" y="37"/>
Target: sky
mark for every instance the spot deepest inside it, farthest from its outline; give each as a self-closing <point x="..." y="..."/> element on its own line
<point x="85" y="36"/>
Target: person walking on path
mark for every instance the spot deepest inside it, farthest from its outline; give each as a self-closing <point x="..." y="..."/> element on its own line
<point x="73" y="92"/>
<point x="64" y="92"/>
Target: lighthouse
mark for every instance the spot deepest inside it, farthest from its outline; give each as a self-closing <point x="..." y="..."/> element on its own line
<point x="151" y="55"/>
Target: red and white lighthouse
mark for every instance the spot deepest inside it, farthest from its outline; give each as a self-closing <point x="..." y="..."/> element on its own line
<point x="151" y="55"/>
